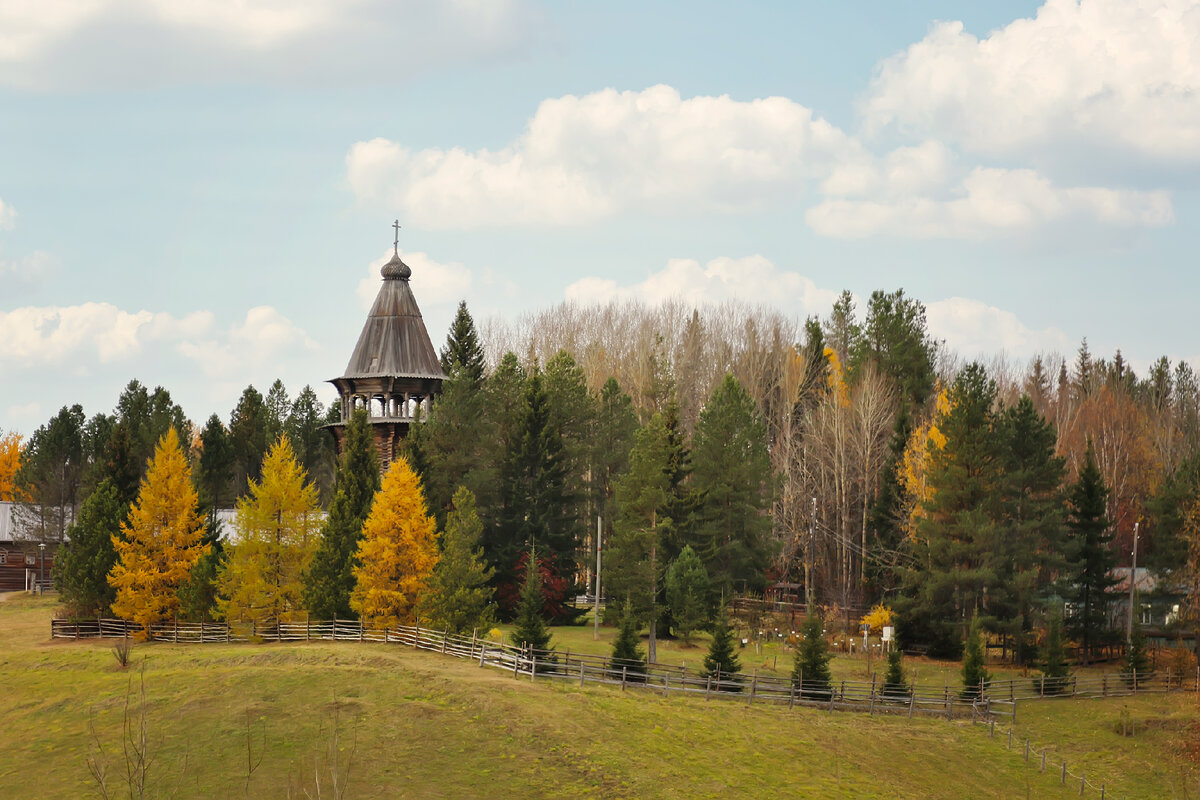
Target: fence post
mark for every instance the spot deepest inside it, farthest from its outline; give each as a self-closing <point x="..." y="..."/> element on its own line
<point x="533" y="667"/>
<point x="792" y="698"/>
<point x="1042" y="692"/>
<point x="175" y="640"/>
<point x="912" y="701"/>
<point x="1043" y="760"/>
<point x="1135" y="680"/>
<point x="667" y="684"/>
<point x="872" y="694"/>
<point x="444" y="635"/>
<point x="707" y="687"/>
<point x="1063" y="779"/>
<point x="581" y="665"/>
<point x="1082" y="782"/>
<point x="1010" y="738"/>
<point x="482" y="652"/>
<point x="360" y="629"/>
<point x="1027" y="751"/>
<point x="1104" y="686"/>
<point x="992" y="728"/>
<point x="624" y="672"/>
<point x="1102" y="791"/>
<point x="753" y="688"/>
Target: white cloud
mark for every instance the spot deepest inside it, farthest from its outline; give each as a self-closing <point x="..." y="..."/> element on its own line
<point x="74" y="43"/>
<point x="989" y="203"/>
<point x="1106" y="73"/>
<point x="974" y="328"/>
<point x="432" y="282"/>
<point x="7" y="215"/>
<point x="585" y="158"/>
<point x="262" y="340"/>
<point x="752" y="279"/>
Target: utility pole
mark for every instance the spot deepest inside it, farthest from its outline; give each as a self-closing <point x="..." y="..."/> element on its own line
<point x="596" y="614"/>
<point x="1132" y="582"/>
<point x="812" y="532"/>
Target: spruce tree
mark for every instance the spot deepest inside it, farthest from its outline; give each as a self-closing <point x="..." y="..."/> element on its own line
<point x="722" y="661"/>
<point x="810" y="672"/>
<point x="732" y="476"/>
<point x="687" y="593"/>
<point x="460" y="599"/>
<point x="530" y="631"/>
<point x="627" y="651"/>
<point x="214" y="471"/>
<point x="328" y="583"/>
<point x="457" y="444"/>
<point x="895" y="684"/>
<point x="463" y="349"/>
<point x="198" y="596"/>
<point x="1137" y="670"/>
<point x="974" y="671"/>
<point x="84" y="561"/>
<point x="311" y="442"/>
<point x="1054" y="658"/>
<point x="1089" y="555"/>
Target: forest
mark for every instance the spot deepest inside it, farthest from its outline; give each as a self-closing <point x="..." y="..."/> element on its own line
<point x="722" y="451"/>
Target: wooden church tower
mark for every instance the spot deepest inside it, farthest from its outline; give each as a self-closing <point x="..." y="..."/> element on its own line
<point x="394" y="371"/>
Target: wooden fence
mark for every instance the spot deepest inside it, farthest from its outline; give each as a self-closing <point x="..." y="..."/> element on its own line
<point x="993" y="699"/>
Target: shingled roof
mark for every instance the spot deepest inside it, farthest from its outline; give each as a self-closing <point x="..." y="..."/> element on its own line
<point x="394" y="341"/>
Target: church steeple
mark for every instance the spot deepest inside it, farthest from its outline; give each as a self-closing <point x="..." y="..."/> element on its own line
<point x="394" y="371"/>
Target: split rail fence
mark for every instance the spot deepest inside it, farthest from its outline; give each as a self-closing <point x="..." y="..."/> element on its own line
<point x="993" y="699"/>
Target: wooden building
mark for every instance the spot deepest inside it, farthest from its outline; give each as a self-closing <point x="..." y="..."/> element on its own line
<point x="394" y="371"/>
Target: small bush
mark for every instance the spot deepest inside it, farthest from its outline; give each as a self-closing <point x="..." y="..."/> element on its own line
<point x="122" y="651"/>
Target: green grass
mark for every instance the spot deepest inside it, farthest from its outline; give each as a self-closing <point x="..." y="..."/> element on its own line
<point x="422" y="725"/>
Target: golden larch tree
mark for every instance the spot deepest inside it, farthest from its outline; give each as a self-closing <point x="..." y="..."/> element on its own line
<point x="10" y="463"/>
<point x="160" y="539"/>
<point x="277" y="526"/>
<point x="913" y="469"/>
<point x="397" y="552"/>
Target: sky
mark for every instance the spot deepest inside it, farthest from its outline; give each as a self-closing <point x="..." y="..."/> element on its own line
<point x="199" y="193"/>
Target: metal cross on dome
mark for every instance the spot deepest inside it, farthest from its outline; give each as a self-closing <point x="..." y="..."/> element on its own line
<point x="396" y="244"/>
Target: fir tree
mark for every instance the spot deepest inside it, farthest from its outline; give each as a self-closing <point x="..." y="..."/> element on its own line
<point x="459" y="599"/>
<point x="83" y="563"/>
<point x="1054" y="658"/>
<point x="328" y="583"/>
<point x="627" y="653"/>
<point x="687" y="592"/>
<point x="161" y="540"/>
<point x="462" y="348"/>
<point x="529" y="630"/>
<point x="722" y="661"/>
<point x="312" y="443"/>
<point x="974" y="671"/>
<point x="277" y="536"/>
<point x="248" y="426"/>
<point x="214" y="472"/>
<point x="397" y="552"/>
<point x="810" y="673"/>
<point x="1137" y="670"/>
<point x="733" y="478"/>
<point x="895" y="684"/>
<point x="1089" y="555"/>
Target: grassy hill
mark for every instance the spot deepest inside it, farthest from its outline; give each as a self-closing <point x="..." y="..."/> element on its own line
<point x="414" y="724"/>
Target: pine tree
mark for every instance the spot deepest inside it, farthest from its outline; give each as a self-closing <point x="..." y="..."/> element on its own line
<point x="458" y="445"/>
<point x="687" y="592"/>
<point x="462" y="348"/>
<point x="248" y="426"/>
<point x="277" y="536"/>
<point x="530" y="631"/>
<point x="459" y="599"/>
<point x="733" y="478"/>
<point x="279" y="408"/>
<point x="313" y="445"/>
<point x="1136" y="671"/>
<point x="328" y="583"/>
<point x="397" y="552"/>
<point x="722" y="661"/>
<point x="974" y="671"/>
<point x="1089" y="555"/>
<point x="160" y="541"/>
<point x="83" y="563"/>
<point x="627" y="656"/>
<point x="1054" y="657"/>
<point x="895" y="684"/>
<point x="214" y="473"/>
<point x="810" y="672"/>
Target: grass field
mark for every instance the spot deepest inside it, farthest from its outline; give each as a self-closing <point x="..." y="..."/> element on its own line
<point x="415" y="724"/>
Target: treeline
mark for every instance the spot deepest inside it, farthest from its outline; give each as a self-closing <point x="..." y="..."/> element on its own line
<point x="850" y="455"/>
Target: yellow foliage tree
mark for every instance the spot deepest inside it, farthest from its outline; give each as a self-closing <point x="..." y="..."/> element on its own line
<point x="914" y="464"/>
<point x="879" y="617"/>
<point x="277" y="536"/>
<point x="397" y="552"/>
<point x="160" y="541"/>
<point x="10" y="462"/>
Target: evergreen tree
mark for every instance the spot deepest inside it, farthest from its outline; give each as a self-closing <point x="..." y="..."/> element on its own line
<point x="117" y="462"/>
<point x="974" y="671"/>
<point x="1054" y="658"/>
<point x="627" y="652"/>
<point x="397" y="552"/>
<point x="1089" y="556"/>
<point x="53" y="462"/>
<point x="529" y="629"/>
<point x="616" y="426"/>
<point x="894" y="338"/>
<point x="214" y="472"/>
<point x="458" y="445"/>
<point x="328" y="583"/>
<point x="1137" y="671"/>
<point x="198" y="596"/>
<point x="722" y="661"/>
<point x="635" y="566"/>
<point x="733" y="478"/>
<point x="895" y="684"/>
<point x="248" y="426"/>
<point x="687" y="592"/>
<point x="312" y="443"/>
<point x="573" y="412"/>
<point x="810" y="673"/>
<point x="160" y="541"/>
<point x="459" y="599"/>
<point x="147" y="416"/>
<point x="463" y="349"/>
<point x="277" y="536"/>
<point x="84" y="561"/>
<point x="279" y="409"/>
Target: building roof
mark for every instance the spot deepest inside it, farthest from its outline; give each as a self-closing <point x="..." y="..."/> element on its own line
<point x="394" y="341"/>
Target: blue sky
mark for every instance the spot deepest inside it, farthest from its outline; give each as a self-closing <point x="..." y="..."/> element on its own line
<point x="195" y="193"/>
